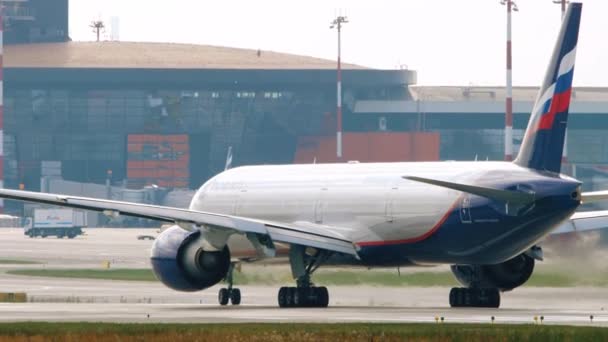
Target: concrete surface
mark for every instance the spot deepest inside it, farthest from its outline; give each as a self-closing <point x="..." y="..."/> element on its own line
<point x="56" y="299"/>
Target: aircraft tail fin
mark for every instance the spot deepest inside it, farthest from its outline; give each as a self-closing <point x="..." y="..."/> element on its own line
<point x="543" y="142"/>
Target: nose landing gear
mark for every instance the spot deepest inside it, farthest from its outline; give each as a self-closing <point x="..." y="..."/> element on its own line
<point x="230" y="294"/>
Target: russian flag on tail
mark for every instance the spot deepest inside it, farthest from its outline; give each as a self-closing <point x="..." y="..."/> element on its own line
<point x="543" y="141"/>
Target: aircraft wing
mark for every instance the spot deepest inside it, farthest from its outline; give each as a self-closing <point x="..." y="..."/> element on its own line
<point x="584" y="221"/>
<point x="311" y="236"/>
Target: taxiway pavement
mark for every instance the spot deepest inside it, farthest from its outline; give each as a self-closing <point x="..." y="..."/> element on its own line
<point x="57" y="299"/>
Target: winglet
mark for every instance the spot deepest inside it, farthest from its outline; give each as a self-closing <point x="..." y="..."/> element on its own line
<point x="507" y="196"/>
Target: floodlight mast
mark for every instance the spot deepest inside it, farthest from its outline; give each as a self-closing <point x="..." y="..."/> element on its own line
<point x="2" y="11"/>
<point x="563" y="4"/>
<point x="337" y="23"/>
<point x="511" y="6"/>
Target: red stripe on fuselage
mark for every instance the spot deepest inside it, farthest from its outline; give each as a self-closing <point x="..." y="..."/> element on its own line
<point x="559" y="104"/>
<point x="415" y="239"/>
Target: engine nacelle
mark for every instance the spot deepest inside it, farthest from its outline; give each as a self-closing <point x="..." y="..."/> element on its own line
<point x="179" y="261"/>
<point x="505" y="276"/>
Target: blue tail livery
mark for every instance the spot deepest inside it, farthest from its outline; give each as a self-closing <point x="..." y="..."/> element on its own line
<point x="543" y="142"/>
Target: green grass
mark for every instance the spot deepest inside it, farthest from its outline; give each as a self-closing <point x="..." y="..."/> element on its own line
<point x="270" y="276"/>
<point x="384" y="278"/>
<point x="111" y="274"/>
<point x="31" y="331"/>
<point x="18" y="262"/>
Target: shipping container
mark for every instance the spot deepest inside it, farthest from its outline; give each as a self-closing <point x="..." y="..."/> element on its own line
<point x="370" y="147"/>
<point x="163" y="160"/>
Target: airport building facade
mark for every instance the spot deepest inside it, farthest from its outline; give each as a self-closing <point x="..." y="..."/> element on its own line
<point x="134" y="121"/>
<point x="89" y="120"/>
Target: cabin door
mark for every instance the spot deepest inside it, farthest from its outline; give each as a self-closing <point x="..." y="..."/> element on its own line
<point x="320" y="205"/>
<point x="465" y="209"/>
<point x="237" y="204"/>
<point x="389" y="207"/>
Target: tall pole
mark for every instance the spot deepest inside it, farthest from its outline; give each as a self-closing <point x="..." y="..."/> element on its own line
<point x="563" y="4"/>
<point x="1" y="101"/>
<point x="511" y="6"/>
<point x="337" y="23"/>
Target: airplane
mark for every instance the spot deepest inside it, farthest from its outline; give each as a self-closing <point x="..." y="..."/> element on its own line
<point x="485" y="219"/>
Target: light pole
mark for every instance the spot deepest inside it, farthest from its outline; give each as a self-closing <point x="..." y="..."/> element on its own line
<point x="337" y="23"/>
<point x="563" y="5"/>
<point x="511" y="6"/>
<point x="1" y="100"/>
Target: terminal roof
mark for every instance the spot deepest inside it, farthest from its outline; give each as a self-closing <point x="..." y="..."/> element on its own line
<point x="142" y="55"/>
<point x="496" y="93"/>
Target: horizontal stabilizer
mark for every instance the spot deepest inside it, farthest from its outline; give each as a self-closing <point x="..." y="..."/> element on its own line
<point x="595" y="196"/>
<point x="584" y="221"/>
<point x="508" y="196"/>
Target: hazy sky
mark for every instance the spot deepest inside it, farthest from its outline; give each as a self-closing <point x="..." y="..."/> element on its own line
<point x="448" y="42"/>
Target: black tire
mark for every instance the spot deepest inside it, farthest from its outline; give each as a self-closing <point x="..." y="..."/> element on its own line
<point x="299" y="297"/>
<point x="223" y="296"/>
<point x="43" y="235"/>
<point x="322" y="297"/>
<point x="453" y="297"/>
<point x="289" y="297"/>
<point x="494" y="298"/>
<point x="311" y="297"/>
<point x="457" y="297"/>
<point x="235" y="296"/>
<point x="282" y="297"/>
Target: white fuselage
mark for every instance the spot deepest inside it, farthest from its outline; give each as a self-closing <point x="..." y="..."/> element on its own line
<point x="364" y="202"/>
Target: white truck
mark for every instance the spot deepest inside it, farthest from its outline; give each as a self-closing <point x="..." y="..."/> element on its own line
<point x="55" y="222"/>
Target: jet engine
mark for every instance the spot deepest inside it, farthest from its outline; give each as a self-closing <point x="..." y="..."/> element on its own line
<point x="504" y="276"/>
<point x="180" y="262"/>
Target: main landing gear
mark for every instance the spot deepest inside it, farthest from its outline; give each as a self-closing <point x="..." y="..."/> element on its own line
<point x="303" y="263"/>
<point x="231" y="294"/>
<point x="474" y="297"/>
<point x="303" y="297"/>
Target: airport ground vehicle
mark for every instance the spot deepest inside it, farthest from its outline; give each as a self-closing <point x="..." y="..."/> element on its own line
<point x="55" y="222"/>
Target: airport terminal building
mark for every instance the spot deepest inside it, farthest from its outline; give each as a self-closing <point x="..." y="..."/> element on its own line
<point x="137" y="114"/>
<point x="95" y="107"/>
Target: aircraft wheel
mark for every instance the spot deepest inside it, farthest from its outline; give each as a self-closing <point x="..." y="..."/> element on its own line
<point x="223" y="296"/>
<point x="322" y="297"/>
<point x="235" y="296"/>
<point x="303" y="297"/>
<point x="282" y="297"/>
<point x="290" y="297"/>
<point x="474" y="297"/>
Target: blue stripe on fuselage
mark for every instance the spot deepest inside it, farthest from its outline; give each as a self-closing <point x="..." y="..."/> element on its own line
<point x="490" y="237"/>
